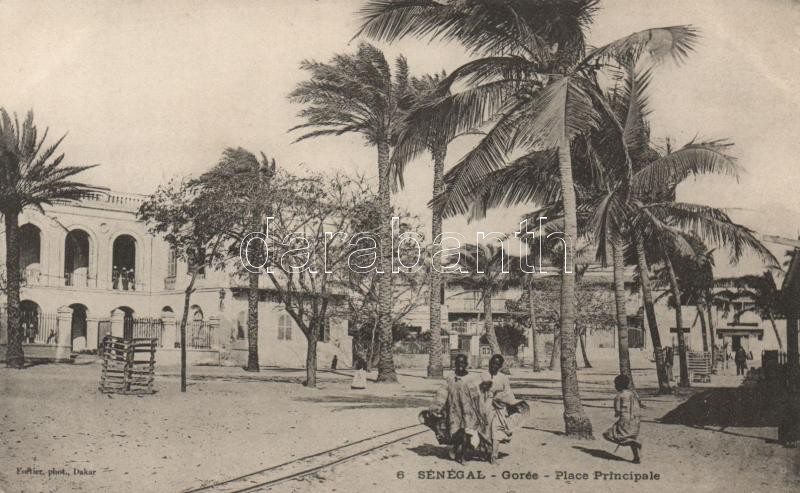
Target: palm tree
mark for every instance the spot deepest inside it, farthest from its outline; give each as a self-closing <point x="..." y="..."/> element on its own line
<point x="244" y="181"/>
<point x="485" y="270"/>
<point x="672" y="221"/>
<point x="524" y="277"/>
<point x="359" y="94"/>
<point x="30" y="176"/>
<point x="537" y="82"/>
<point x="428" y="129"/>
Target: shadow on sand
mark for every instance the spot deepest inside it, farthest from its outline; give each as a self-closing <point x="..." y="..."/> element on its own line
<point x="747" y="406"/>
<point x="367" y="401"/>
<point x="600" y="454"/>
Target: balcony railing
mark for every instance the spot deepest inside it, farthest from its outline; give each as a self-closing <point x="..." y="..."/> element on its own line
<point x="76" y="279"/>
<point x="473" y="306"/>
<point x="464" y="328"/>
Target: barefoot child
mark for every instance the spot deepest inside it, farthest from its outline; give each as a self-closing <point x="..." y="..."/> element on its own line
<point x="627" y="405"/>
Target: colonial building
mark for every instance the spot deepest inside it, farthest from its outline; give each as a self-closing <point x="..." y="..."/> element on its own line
<point x="92" y="268"/>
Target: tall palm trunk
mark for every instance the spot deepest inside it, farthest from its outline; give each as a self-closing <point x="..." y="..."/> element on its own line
<point x="703" y="326"/>
<point x="774" y="329"/>
<point x="435" y="369"/>
<point x="187" y="296"/>
<point x="582" y="340"/>
<point x="252" y="322"/>
<point x="532" y="317"/>
<point x="555" y="353"/>
<point x="576" y="422"/>
<point x="14" y="355"/>
<point x="622" y="317"/>
<point x="650" y="313"/>
<point x="253" y="298"/>
<point x="488" y="323"/>
<point x="386" y="371"/>
<point x="712" y="333"/>
<point x="676" y="293"/>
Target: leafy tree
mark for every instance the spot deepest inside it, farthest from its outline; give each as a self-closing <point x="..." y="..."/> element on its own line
<point x="408" y="286"/>
<point x="31" y="175"/>
<point x="180" y="214"/>
<point x="359" y="94"/>
<point x="308" y="261"/>
<point x="510" y="337"/>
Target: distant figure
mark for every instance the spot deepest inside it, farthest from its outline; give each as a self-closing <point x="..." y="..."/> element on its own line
<point x="115" y="278"/>
<point x="334" y="362"/>
<point x="125" y="278"/>
<point x="668" y="361"/>
<point x="741" y="361"/>
<point x="27" y="329"/>
<point x="627" y="409"/>
<point x="132" y="279"/>
<point x="360" y="375"/>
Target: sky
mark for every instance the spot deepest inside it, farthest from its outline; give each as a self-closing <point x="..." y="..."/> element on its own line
<point x="152" y="90"/>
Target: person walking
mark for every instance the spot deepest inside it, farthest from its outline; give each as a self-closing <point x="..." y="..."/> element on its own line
<point x="741" y="361"/>
<point x="627" y="410"/>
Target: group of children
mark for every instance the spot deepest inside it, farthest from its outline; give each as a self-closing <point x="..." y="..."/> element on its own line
<point x="473" y="413"/>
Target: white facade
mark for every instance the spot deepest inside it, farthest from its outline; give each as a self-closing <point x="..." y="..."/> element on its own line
<point x="70" y="256"/>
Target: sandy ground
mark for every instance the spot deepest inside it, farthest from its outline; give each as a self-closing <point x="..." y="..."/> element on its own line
<point x="230" y="423"/>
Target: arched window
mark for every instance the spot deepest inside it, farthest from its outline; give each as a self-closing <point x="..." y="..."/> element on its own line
<point x="285" y="327"/>
<point x="30" y="246"/>
<point x="29" y="320"/>
<point x="76" y="258"/>
<point x="123" y="269"/>
<point x="197" y="313"/>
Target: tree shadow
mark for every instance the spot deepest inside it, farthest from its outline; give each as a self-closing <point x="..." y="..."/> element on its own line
<point x="368" y="401"/>
<point x="553" y="432"/>
<point x="746" y="407"/>
<point x="600" y="454"/>
<point x="430" y="450"/>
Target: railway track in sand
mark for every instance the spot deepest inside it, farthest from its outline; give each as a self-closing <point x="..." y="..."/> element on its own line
<point x="310" y="464"/>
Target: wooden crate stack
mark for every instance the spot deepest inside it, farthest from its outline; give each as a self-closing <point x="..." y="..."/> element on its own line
<point x="128" y="365"/>
<point x="699" y="366"/>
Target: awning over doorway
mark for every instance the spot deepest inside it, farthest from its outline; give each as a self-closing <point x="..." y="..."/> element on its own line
<point x="740" y="330"/>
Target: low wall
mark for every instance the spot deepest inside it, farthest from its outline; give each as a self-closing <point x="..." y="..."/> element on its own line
<point x="407" y="360"/>
<point x="194" y="357"/>
<point x="41" y="352"/>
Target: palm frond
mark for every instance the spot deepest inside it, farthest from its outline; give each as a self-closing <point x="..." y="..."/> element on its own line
<point x="693" y="159"/>
<point x="714" y="226"/>
<point x="659" y="43"/>
<point x="483" y="26"/>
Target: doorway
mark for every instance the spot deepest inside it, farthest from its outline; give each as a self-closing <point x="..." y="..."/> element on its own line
<point x="78" y="327"/>
<point x="740" y="342"/>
